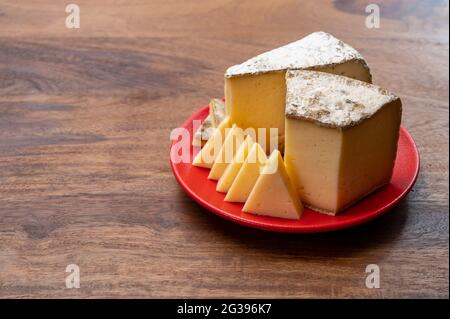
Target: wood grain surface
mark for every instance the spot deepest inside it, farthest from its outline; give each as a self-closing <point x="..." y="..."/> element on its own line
<point x="85" y="117"/>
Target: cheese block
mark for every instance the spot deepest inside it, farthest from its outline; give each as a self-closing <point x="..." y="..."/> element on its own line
<point x="207" y="155"/>
<point x="217" y="111"/>
<point x="341" y="138"/>
<point x="273" y="194"/>
<point x="256" y="89"/>
<point x="232" y="170"/>
<point x="234" y="138"/>
<point x="204" y="132"/>
<point x="247" y="176"/>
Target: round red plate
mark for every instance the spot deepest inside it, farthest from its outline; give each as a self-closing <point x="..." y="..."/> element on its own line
<point x="196" y="184"/>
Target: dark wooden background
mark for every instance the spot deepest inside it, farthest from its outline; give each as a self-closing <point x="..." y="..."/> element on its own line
<point x="85" y="117"/>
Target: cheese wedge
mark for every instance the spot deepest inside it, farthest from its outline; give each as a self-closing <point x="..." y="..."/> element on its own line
<point x="204" y="132"/>
<point x="341" y="138"/>
<point x="215" y="117"/>
<point x="234" y="138"/>
<point x="256" y="89"/>
<point x="232" y="170"/>
<point x="274" y="194"/>
<point x="207" y="155"/>
<point x="247" y="176"/>
<point x="217" y="111"/>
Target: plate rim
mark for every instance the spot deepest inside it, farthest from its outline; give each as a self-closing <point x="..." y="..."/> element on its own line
<point x="357" y="220"/>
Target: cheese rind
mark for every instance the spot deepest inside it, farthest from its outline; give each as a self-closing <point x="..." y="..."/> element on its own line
<point x="232" y="170"/>
<point x="256" y="90"/>
<point x="319" y="49"/>
<point x="234" y="138"/>
<point x="331" y="100"/>
<point x="341" y="139"/>
<point x="274" y="194"/>
<point x="247" y="176"/>
<point x="207" y="155"/>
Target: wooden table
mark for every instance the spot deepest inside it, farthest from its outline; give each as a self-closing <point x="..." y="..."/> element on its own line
<point x="85" y="116"/>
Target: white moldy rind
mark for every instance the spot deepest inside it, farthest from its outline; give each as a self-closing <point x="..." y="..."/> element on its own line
<point x="315" y="50"/>
<point x="332" y="100"/>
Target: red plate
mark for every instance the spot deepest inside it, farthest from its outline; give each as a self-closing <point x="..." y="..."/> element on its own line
<point x="195" y="182"/>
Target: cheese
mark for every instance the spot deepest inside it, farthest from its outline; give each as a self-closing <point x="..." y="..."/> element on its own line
<point x="205" y="158"/>
<point x="255" y="90"/>
<point x="217" y="111"/>
<point x="215" y="117"/>
<point x="204" y="132"/>
<point x="232" y="170"/>
<point x="341" y="138"/>
<point x="234" y="139"/>
<point x="247" y="176"/>
<point x="273" y="194"/>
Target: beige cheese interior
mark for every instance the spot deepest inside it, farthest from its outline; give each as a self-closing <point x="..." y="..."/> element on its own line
<point x="368" y="154"/>
<point x="258" y="101"/>
<point x="333" y="168"/>
<point x="312" y="158"/>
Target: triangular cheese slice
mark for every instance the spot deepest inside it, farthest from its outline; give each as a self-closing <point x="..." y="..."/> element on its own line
<point x="217" y="111"/>
<point x="235" y="137"/>
<point x="232" y="170"/>
<point x="247" y="176"/>
<point x="204" y="132"/>
<point x="274" y="194"/>
<point x="207" y="155"/>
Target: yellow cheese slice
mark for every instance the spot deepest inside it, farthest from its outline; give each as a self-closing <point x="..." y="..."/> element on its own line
<point x="207" y="155"/>
<point x="234" y="139"/>
<point x="204" y="132"/>
<point x="232" y="170"/>
<point x="247" y="176"/>
<point x="274" y="194"/>
<point x="215" y="117"/>
<point x="217" y="111"/>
